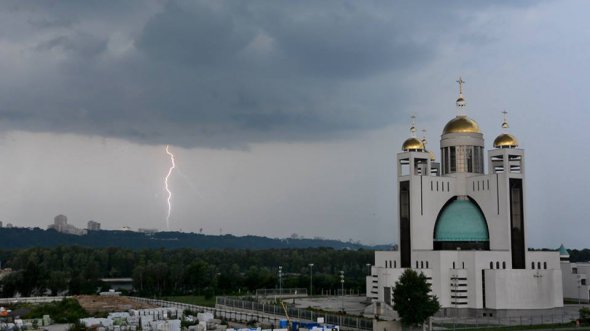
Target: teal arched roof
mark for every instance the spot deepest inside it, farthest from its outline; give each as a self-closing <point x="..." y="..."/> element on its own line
<point x="461" y="220"/>
<point x="563" y="251"/>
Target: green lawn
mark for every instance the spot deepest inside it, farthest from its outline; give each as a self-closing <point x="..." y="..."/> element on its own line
<point x="193" y="300"/>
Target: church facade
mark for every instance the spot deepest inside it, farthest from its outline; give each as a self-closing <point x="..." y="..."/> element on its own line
<point x="465" y="228"/>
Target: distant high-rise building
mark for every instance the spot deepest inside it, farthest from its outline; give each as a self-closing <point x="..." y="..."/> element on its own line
<point x="93" y="226"/>
<point x="60" y="220"/>
<point x="60" y="224"/>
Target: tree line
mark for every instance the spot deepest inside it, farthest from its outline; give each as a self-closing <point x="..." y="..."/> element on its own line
<point x="165" y="272"/>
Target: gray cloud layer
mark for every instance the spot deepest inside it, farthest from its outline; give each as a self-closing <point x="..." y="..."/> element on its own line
<point x="215" y="73"/>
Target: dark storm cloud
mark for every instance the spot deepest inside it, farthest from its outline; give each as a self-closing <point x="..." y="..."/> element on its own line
<point x="214" y="73"/>
<point x="81" y="45"/>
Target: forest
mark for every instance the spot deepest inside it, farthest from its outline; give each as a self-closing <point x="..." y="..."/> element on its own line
<point x="16" y="238"/>
<point x="164" y="272"/>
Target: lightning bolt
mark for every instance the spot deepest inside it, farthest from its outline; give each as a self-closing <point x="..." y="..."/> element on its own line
<point x="172" y="166"/>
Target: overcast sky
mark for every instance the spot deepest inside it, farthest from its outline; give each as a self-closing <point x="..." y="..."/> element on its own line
<point x="284" y="116"/>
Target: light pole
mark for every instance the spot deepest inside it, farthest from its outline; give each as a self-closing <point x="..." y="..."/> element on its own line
<point x="310" y="279"/>
<point x="342" y="289"/>
<point x="369" y="268"/>
<point x="280" y="280"/>
<point x="579" y="285"/>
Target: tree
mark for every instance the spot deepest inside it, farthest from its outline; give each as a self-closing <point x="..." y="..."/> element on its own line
<point x="412" y="299"/>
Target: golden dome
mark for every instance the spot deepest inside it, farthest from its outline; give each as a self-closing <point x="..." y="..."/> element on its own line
<point x="432" y="156"/>
<point x="412" y="144"/>
<point x="461" y="124"/>
<point x="505" y="140"/>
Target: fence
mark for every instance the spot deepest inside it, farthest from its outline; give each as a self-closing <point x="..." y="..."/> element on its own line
<point x="344" y="321"/>
<point x="220" y="313"/>
<point x="267" y="292"/>
<point x="5" y="301"/>
<point x="458" y="323"/>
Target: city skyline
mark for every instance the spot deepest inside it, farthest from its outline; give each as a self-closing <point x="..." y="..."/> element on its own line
<point x="283" y="117"/>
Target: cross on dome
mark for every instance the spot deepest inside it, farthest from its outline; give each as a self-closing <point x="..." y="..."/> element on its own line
<point x="505" y="121"/>
<point x="460" y="100"/>
<point x="461" y="82"/>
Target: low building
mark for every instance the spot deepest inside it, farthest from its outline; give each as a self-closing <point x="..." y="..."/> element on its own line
<point x="575" y="278"/>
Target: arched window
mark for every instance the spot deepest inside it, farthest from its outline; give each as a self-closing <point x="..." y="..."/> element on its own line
<point x="463" y="265"/>
<point x="395" y="264"/>
<point x="421" y="264"/>
<point x="453" y="265"/>
<point x="544" y="265"/>
<point x="503" y="264"/>
<point x="426" y="264"/>
<point x="497" y="265"/>
<point x="538" y="265"/>
<point x="532" y="265"/>
<point x="416" y="264"/>
<point x="491" y="265"/>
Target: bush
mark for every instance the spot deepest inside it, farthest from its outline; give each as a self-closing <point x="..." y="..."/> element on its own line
<point x="65" y="311"/>
<point x="585" y="315"/>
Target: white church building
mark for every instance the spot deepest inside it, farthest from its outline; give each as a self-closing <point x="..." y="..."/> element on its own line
<point x="464" y="228"/>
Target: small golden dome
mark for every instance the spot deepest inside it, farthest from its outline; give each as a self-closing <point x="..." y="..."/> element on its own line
<point x="461" y="124"/>
<point x="505" y="140"/>
<point x="432" y="156"/>
<point x="413" y="144"/>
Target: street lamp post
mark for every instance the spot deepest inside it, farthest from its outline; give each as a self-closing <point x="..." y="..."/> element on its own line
<point x="342" y="289"/>
<point x="280" y="280"/>
<point x="369" y="268"/>
<point x="310" y="279"/>
<point x="579" y="285"/>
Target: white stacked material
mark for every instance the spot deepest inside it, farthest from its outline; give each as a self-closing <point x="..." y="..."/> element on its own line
<point x="124" y="315"/>
<point x="205" y="317"/>
<point x="94" y="322"/>
<point x="169" y="325"/>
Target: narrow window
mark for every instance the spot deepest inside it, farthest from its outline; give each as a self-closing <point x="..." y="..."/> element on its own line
<point x="463" y="265"/>
<point x="491" y="265"/>
<point x="504" y="265"/>
<point x="431" y="186"/>
<point x="488" y="185"/>
<point x="448" y="187"/>
<point x="437" y="186"/>
<point x="469" y="159"/>
<point x="453" y="265"/>
<point x="395" y="264"/>
<point x="453" y="159"/>
<point x="497" y="265"/>
<point x="426" y="264"/>
<point x="533" y="265"/>
<point x="421" y="264"/>
<point x="416" y="264"/>
<point x="538" y="265"/>
<point x="544" y="265"/>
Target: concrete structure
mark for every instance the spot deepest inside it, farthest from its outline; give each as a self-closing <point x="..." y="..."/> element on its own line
<point x="60" y="224"/>
<point x="465" y="229"/>
<point x="575" y="278"/>
<point x="119" y="283"/>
